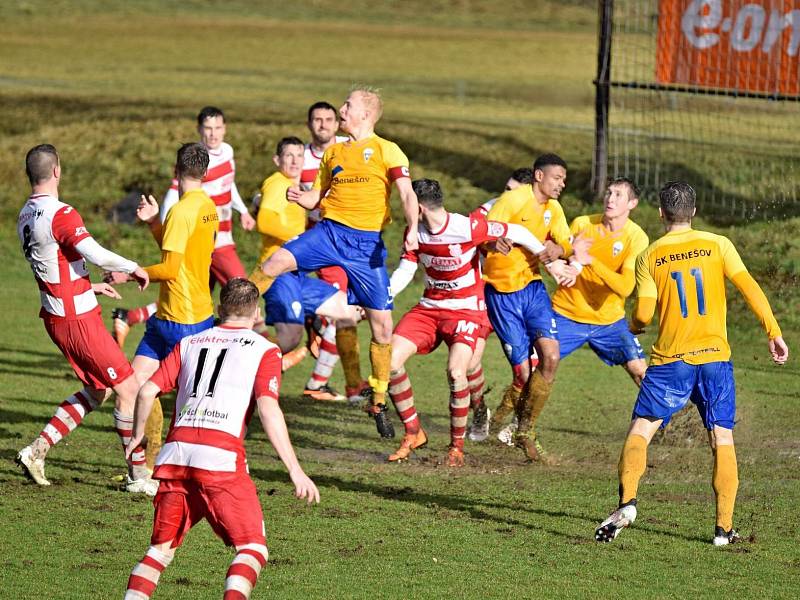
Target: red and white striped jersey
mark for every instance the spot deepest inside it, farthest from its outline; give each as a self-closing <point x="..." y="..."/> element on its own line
<point x="219" y="373"/>
<point x="49" y="231"/>
<point x="219" y="183"/>
<point x="311" y="162"/>
<point x="450" y="258"/>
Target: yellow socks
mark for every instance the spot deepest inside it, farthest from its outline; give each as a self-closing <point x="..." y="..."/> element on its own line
<point x="263" y="282"/>
<point x="349" y="352"/>
<point x="532" y="402"/>
<point x="632" y="463"/>
<point x="507" y="406"/>
<point x="725" y="482"/>
<point x="152" y="430"/>
<point x="380" y="355"/>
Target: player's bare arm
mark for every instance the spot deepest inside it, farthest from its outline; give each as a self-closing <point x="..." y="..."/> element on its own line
<point x="308" y="200"/>
<point x="411" y="211"/>
<point x="105" y="289"/>
<point x="274" y="425"/>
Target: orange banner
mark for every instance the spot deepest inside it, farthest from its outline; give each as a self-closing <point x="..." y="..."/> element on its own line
<point x="730" y="44"/>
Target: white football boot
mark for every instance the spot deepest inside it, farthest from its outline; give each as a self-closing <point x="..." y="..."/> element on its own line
<point x="145" y="485"/>
<point x="616" y="522"/>
<point x="723" y="538"/>
<point x="506" y="434"/>
<point x="33" y="467"/>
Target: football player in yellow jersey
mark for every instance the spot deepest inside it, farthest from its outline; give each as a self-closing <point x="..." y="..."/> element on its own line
<point x="187" y="240"/>
<point x="352" y="189"/>
<point x="593" y="310"/>
<point x="683" y="275"/>
<point x="516" y="299"/>
<point x="294" y="296"/>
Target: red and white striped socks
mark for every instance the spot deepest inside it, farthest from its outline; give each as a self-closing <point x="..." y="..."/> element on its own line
<point x="141" y="314"/>
<point x="403" y="398"/>
<point x="476" y="383"/>
<point x="459" y="410"/>
<point x="69" y="414"/>
<point x="328" y="357"/>
<point x="244" y="570"/>
<point x="137" y="462"/>
<point x="144" y="577"/>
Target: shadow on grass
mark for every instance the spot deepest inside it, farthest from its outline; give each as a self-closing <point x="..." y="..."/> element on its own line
<point x="472" y="508"/>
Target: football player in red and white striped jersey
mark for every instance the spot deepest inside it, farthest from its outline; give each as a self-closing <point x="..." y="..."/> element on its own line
<point x="452" y="308"/>
<point x="219" y="183"/>
<point x="222" y="375"/>
<point x="57" y="245"/>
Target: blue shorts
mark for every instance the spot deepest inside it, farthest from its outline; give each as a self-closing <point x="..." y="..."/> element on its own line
<point x="520" y="318"/>
<point x="614" y="344"/>
<point x="361" y="254"/>
<point x="667" y="388"/>
<point x="294" y="296"/>
<point x="160" y="336"/>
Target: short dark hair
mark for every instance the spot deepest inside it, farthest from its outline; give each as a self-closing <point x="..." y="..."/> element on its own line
<point x="634" y="189"/>
<point x="288" y="141"/>
<point x="192" y="161"/>
<point x="39" y="163"/>
<point x="677" y="201"/>
<point x="548" y="160"/>
<point x="238" y="297"/>
<point x="523" y="175"/>
<point x="322" y="105"/>
<point x="207" y="112"/>
<point x="428" y="192"/>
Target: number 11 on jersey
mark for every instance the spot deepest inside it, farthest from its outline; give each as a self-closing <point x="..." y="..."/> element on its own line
<point x="697" y="273"/>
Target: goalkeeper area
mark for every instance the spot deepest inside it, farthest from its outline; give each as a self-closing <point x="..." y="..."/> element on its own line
<point x="707" y="91"/>
<point x="473" y="89"/>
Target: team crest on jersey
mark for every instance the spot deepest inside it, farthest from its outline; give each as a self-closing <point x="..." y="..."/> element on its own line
<point x="297" y="308"/>
<point x="368" y="152"/>
<point x="616" y="248"/>
<point x="455" y="249"/>
<point x="496" y="229"/>
<point x="547" y="216"/>
<point x="273" y="385"/>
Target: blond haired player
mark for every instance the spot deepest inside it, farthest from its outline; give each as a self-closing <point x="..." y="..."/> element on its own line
<point x="683" y="275"/>
<point x="221" y="376"/>
<point x="352" y="189"/>
<point x="593" y="310"/>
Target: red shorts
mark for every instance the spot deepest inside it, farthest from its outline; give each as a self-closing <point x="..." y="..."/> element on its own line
<point x="426" y="328"/>
<point x="485" y="331"/>
<point x="225" y="265"/>
<point x="335" y="276"/>
<point x="231" y="508"/>
<point x="94" y="355"/>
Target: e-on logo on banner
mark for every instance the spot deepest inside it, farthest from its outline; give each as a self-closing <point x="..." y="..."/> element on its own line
<point x="747" y="45"/>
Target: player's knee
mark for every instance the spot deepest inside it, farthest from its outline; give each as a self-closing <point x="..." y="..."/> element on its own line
<point x="277" y="264"/>
<point x="548" y="362"/>
<point x="636" y="369"/>
<point x="522" y="373"/>
<point x="456" y="374"/>
<point x="720" y="436"/>
<point x="289" y="339"/>
<point x="99" y="396"/>
<point x="381" y="325"/>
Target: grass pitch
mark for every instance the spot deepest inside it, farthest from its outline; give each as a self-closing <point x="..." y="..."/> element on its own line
<point x="116" y="86"/>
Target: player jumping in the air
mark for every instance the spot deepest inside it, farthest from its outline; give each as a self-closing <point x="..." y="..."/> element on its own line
<point x="593" y="310"/>
<point x="221" y="376"/>
<point x="186" y="240"/>
<point x="517" y="301"/>
<point x="219" y="183"/>
<point x="452" y="308"/>
<point x="683" y="274"/>
<point x="57" y="245"/>
<point x="294" y="297"/>
<point x="353" y="189"/>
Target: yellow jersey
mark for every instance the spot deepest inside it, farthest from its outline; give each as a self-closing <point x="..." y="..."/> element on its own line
<point x="512" y="272"/>
<point x="685" y="272"/>
<point x="190" y="229"/>
<point x="278" y="220"/>
<point x="592" y="299"/>
<point x="355" y="182"/>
